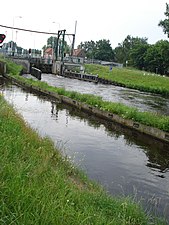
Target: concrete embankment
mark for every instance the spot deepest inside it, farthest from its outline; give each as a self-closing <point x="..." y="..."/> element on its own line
<point x="154" y="132"/>
<point x="90" y="78"/>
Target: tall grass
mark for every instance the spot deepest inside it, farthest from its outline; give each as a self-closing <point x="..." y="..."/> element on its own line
<point x="131" y="78"/>
<point x="11" y="67"/>
<point x="39" y="186"/>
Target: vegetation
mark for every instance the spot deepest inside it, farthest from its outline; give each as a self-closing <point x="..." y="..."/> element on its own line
<point x="11" y="68"/>
<point x="52" y="43"/>
<point x="39" y="186"/>
<point x="165" y="23"/>
<point x="131" y="78"/>
<point x="138" y="53"/>
<point x="134" y="51"/>
<point x="123" y="50"/>
<point x="99" y="50"/>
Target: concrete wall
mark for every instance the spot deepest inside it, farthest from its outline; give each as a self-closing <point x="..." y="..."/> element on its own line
<point x="2" y="68"/>
<point x="56" y="67"/>
<point x="24" y="62"/>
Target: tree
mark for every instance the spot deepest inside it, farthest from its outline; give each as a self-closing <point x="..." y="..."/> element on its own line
<point x="51" y="42"/>
<point x="104" y="51"/>
<point x="137" y="56"/>
<point x="100" y="50"/>
<point x="156" y="58"/>
<point x="89" y="48"/>
<point x="122" y="52"/>
<point x="165" y="23"/>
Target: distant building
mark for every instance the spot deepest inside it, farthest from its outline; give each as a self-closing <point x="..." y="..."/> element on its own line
<point x="79" y="53"/>
<point x="48" y="52"/>
<point x="48" y="55"/>
<point x="114" y="64"/>
<point x="78" y="56"/>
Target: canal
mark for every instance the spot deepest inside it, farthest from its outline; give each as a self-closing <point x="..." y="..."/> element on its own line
<point x="123" y="161"/>
<point x="143" y="101"/>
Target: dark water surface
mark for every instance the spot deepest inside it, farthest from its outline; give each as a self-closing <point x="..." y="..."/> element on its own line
<point x="123" y="161"/>
<point x="143" y="101"/>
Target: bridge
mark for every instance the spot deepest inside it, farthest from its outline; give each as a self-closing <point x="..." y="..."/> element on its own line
<point x="47" y="66"/>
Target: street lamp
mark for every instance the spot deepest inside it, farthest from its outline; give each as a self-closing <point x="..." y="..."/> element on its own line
<point x="53" y="44"/>
<point x="13" y="26"/>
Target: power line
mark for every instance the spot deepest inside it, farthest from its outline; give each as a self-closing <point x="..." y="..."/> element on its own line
<point x="33" y="31"/>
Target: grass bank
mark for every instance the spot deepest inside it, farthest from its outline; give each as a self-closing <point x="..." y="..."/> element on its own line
<point x="11" y="68"/>
<point x="39" y="186"/>
<point x="132" y="78"/>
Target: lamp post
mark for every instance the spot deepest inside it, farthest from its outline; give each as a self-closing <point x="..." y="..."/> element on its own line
<point x="53" y="43"/>
<point x="13" y="26"/>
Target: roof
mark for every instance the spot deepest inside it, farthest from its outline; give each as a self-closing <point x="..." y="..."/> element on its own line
<point x="49" y="51"/>
<point x="79" y="52"/>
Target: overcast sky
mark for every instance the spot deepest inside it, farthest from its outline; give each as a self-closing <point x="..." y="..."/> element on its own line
<point x="96" y="20"/>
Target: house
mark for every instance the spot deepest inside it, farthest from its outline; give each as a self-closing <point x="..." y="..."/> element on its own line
<point x="78" y="56"/>
<point x="79" y="53"/>
<point x="48" y="55"/>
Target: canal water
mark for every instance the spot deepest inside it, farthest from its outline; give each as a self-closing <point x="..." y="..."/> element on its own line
<point x="143" y="101"/>
<point x="125" y="162"/>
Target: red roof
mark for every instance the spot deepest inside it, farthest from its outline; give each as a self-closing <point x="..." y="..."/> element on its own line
<point x="79" y="52"/>
<point x="49" y="51"/>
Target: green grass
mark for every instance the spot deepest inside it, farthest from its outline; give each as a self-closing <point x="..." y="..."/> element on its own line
<point x="11" y="67"/>
<point x="39" y="186"/>
<point x="132" y="78"/>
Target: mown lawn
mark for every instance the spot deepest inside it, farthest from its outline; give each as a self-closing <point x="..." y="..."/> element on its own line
<point x="131" y="78"/>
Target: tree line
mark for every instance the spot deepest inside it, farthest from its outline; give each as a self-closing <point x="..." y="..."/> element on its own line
<point x="134" y="51"/>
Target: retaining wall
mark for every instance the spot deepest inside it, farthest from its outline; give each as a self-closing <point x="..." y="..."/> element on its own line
<point x="24" y="62"/>
<point x="2" y="68"/>
<point x="81" y="76"/>
<point x="154" y="132"/>
<point x="90" y="78"/>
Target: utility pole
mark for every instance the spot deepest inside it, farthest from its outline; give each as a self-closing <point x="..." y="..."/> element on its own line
<point x="57" y="44"/>
<point x="63" y="43"/>
<point x="73" y="42"/>
<point x="62" y="52"/>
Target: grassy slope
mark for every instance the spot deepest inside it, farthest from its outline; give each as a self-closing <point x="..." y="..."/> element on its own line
<point x="11" y="68"/>
<point x="39" y="186"/>
<point x="132" y="78"/>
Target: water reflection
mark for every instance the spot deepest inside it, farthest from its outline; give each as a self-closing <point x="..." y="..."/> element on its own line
<point x="156" y="151"/>
<point x="124" y="161"/>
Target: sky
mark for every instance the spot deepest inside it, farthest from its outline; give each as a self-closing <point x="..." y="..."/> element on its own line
<point x="96" y="20"/>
